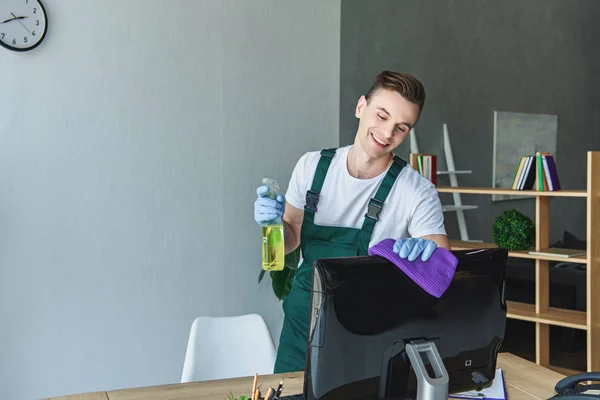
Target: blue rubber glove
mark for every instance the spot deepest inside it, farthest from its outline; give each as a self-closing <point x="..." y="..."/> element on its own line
<point x="266" y="209"/>
<point x="412" y="247"/>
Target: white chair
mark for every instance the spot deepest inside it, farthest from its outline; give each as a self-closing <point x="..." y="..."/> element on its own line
<point x="228" y="347"/>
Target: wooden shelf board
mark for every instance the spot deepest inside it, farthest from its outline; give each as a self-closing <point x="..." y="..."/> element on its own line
<point x="554" y="316"/>
<point x="463" y="245"/>
<point x="484" y="190"/>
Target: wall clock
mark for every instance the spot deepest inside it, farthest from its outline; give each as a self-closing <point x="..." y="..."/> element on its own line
<point x="23" y="24"/>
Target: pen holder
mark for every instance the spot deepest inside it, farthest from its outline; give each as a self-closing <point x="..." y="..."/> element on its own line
<point x="271" y="393"/>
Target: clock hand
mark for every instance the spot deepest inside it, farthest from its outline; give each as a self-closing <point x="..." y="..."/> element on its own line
<point x="12" y="19"/>
<point x="8" y="20"/>
<point x="21" y="23"/>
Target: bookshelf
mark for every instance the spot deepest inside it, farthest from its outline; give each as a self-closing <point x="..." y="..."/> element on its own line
<point x="541" y="313"/>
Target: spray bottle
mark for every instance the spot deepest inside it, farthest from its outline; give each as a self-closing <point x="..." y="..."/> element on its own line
<point x="273" y="245"/>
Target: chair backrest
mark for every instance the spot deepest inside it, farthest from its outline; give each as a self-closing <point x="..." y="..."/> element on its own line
<point x="228" y="347"/>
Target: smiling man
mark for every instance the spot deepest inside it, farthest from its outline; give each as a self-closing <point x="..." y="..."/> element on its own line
<point x="340" y="202"/>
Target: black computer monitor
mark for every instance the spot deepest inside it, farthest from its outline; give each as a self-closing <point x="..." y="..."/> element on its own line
<point x="365" y="310"/>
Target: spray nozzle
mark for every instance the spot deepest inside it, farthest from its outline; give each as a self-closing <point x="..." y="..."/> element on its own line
<point x="273" y="187"/>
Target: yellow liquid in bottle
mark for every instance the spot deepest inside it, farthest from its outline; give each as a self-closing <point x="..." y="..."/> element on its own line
<point x="273" y="248"/>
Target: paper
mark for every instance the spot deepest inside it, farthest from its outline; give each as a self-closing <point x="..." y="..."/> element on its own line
<point x="495" y="392"/>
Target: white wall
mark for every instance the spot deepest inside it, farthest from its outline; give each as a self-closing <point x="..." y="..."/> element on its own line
<point x="131" y="144"/>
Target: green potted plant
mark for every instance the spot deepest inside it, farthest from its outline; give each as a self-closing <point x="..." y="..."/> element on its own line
<point x="281" y="281"/>
<point x="514" y="231"/>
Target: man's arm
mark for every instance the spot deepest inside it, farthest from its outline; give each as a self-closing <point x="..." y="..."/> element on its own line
<point x="440" y="240"/>
<point x="292" y="217"/>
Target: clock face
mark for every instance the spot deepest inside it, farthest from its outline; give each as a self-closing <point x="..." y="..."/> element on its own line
<point x="23" y="24"/>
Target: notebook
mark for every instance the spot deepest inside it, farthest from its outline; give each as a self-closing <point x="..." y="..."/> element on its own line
<point x="495" y="392"/>
<point x="558" y="252"/>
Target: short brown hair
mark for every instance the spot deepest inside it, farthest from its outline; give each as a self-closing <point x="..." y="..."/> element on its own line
<point x="406" y="85"/>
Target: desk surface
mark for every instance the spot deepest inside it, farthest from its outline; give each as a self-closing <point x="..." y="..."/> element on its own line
<point x="524" y="381"/>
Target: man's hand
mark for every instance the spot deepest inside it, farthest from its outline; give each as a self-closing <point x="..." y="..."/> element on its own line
<point x="266" y="209"/>
<point x="411" y="248"/>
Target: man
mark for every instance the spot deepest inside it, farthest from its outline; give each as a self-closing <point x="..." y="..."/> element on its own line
<point x="341" y="202"/>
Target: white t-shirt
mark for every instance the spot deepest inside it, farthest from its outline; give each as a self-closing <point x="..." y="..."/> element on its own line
<point x="412" y="208"/>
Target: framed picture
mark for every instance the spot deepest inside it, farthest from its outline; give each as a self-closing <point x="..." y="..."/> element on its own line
<point x="517" y="135"/>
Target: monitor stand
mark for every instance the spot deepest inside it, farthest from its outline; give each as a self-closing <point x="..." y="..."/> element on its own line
<point x="428" y="388"/>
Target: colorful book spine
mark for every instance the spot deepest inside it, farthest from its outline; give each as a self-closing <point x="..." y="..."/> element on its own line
<point x="425" y="165"/>
<point x="536" y="172"/>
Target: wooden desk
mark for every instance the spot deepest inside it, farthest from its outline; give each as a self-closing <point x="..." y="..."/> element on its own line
<point x="524" y="381"/>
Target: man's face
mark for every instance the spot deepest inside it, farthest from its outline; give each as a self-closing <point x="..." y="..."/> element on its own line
<point x="385" y="122"/>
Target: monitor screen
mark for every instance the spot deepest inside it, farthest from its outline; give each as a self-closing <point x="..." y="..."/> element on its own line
<point x="364" y="310"/>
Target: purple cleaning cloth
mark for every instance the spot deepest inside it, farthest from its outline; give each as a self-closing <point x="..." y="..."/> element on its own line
<point x="434" y="275"/>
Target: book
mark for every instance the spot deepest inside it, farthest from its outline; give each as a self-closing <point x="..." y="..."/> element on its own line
<point x="525" y="174"/>
<point x="558" y="252"/>
<point x="536" y="172"/>
<point x="425" y="165"/>
<point x="495" y="392"/>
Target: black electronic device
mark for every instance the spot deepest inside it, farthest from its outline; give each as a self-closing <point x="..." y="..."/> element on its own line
<point x="369" y="321"/>
<point x="571" y="388"/>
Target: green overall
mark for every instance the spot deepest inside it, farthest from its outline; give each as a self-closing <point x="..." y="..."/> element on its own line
<point x="317" y="242"/>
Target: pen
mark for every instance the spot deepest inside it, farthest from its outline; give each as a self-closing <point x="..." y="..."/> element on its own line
<point x="254" y="386"/>
<point x="278" y="392"/>
<point x="269" y="393"/>
<point x="470" y="396"/>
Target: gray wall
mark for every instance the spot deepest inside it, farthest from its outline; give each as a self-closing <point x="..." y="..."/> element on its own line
<point x="474" y="57"/>
<point x="131" y="144"/>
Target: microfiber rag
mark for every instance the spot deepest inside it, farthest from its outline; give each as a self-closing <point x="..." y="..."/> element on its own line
<point x="434" y="275"/>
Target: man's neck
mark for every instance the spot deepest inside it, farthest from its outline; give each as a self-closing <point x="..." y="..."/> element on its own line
<point x="361" y="166"/>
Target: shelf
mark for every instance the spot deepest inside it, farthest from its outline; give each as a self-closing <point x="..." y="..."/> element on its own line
<point x="462" y="245"/>
<point x="554" y="316"/>
<point x="488" y="191"/>
<point x="589" y="320"/>
<point x="450" y="207"/>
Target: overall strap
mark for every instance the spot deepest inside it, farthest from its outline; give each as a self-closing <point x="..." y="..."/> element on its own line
<point x="312" y="195"/>
<point x="376" y="204"/>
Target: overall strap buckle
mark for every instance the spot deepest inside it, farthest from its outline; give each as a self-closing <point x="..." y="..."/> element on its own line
<point x="312" y="195"/>
<point x="374" y="209"/>
<point x="312" y="199"/>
